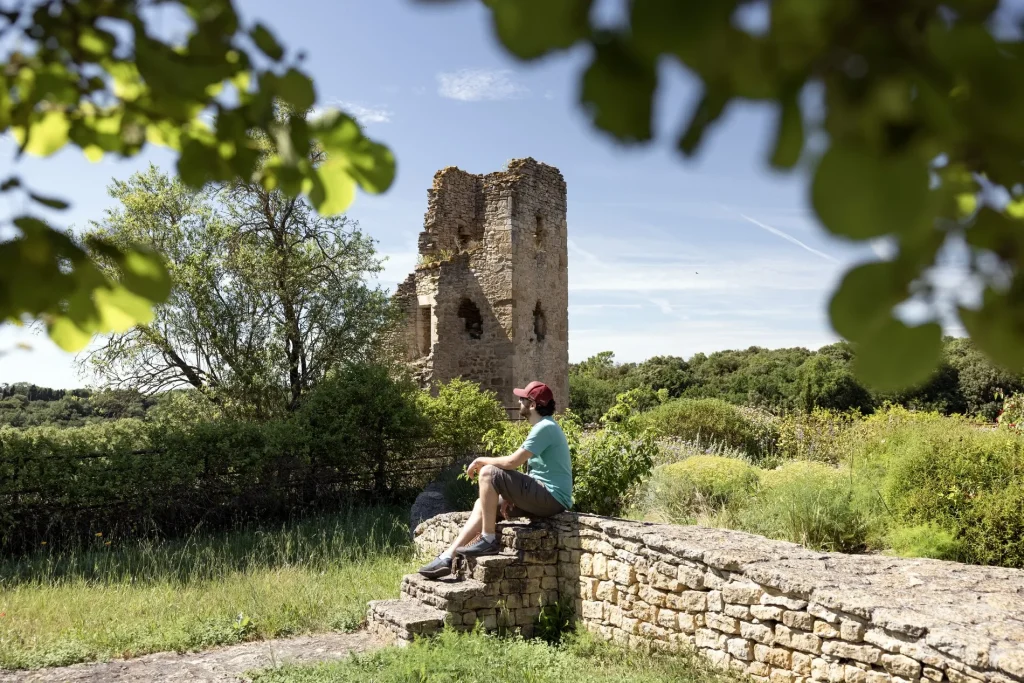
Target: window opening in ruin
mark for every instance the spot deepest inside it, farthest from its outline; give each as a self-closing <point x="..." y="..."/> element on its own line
<point x="423" y="333"/>
<point x="538" y="232"/>
<point x="470" y="314"/>
<point x="465" y="237"/>
<point x="540" y="326"/>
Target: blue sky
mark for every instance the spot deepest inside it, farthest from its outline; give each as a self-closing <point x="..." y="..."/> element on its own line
<point x="666" y="256"/>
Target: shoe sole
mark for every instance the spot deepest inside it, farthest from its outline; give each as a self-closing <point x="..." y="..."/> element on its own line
<point x="489" y="551"/>
<point x="437" y="573"/>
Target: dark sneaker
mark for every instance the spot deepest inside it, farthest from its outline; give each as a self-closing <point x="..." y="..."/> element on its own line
<point x="481" y="547"/>
<point x="441" y="566"/>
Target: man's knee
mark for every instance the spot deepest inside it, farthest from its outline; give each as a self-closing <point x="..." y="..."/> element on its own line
<point x="488" y="473"/>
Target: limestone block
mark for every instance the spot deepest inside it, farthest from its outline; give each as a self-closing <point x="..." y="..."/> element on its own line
<point x="771" y="597"/>
<point x="854" y="675"/>
<point x="690" y="577"/>
<point x="851" y="630"/>
<point x="630" y="625"/>
<point x="931" y="674"/>
<point x="688" y="623"/>
<point x="687" y="601"/>
<point x="766" y="612"/>
<point x="706" y="638"/>
<point x="652" y="595"/>
<point x="819" y="669"/>
<point x="607" y="591"/>
<point x="624" y="574"/>
<point x="758" y="632"/>
<point x="666" y="618"/>
<point x="798" y="640"/>
<point x="533" y="586"/>
<point x="644" y="612"/>
<point x="823" y="613"/>
<point x="886" y="640"/>
<point x="659" y="580"/>
<point x="740" y="649"/>
<point x="781" y="676"/>
<point x="549" y="583"/>
<point x="651" y="631"/>
<point x="867" y="654"/>
<point x="801" y="664"/>
<point x="535" y="571"/>
<point x="898" y="665"/>
<point x="878" y="677"/>
<point x="586" y="564"/>
<point x="513" y="601"/>
<point x="823" y="629"/>
<point x="715" y="602"/>
<point x="737" y="611"/>
<point x="718" y="659"/>
<point x="593" y="610"/>
<point x="800" y="620"/>
<point x="516" y="572"/>
<point x="613" y="614"/>
<point x="742" y="593"/>
<point x="599" y="568"/>
<point x="722" y="623"/>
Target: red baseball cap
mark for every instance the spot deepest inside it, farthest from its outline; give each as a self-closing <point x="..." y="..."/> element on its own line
<point x="538" y="392"/>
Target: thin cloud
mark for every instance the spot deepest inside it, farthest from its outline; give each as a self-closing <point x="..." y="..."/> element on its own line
<point x="477" y="85"/>
<point x="366" y="114"/>
<point x="788" y="238"/>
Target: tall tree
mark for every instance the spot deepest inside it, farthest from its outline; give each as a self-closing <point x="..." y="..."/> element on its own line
<point x="266" y="295"/>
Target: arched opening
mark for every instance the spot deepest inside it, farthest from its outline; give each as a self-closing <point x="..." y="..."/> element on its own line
<point x="474" y="322"/>
<point x="540" y="325"/>
<point x="538" y="231"/>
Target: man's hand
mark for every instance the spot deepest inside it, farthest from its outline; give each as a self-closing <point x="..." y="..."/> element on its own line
<point x="474" y="467"/>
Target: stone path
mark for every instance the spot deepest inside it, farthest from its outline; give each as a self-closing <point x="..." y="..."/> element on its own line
<point x="220" y="665"/>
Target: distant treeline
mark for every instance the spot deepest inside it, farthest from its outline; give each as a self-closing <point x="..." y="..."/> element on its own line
<point x="28" y="405"/>
<point x="793" y="379"/>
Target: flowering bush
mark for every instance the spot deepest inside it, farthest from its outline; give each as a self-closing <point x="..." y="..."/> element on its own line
<point x="1012" y="414"/>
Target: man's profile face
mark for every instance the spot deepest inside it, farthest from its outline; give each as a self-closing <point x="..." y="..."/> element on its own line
<point x="525" y="407"/>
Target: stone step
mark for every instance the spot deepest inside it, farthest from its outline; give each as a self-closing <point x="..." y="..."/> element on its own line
<point x="400" y="621"/>
<point x="450" y="594"/>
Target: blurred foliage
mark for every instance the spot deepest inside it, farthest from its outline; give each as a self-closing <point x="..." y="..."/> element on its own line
<point x="913" y="109"/>
<point x="102" y="76"/>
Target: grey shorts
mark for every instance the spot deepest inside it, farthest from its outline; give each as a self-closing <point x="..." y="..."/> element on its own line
<point x="527" y="495"/>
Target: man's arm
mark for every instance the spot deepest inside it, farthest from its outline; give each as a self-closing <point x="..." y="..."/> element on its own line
<point x="508" y="462"/>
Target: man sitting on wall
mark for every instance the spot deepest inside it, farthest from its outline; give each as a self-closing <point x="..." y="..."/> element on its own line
<point x="545" y="491"/>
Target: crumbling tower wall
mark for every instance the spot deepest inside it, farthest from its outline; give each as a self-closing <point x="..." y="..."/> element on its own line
<point x="488" y="301"/>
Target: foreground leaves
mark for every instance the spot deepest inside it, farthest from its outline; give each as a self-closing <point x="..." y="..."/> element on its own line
<point x="919" y="134"/>
<point x="225" y="98"/>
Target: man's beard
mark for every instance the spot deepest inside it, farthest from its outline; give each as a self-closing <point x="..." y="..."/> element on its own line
<point x="524" y="411"/>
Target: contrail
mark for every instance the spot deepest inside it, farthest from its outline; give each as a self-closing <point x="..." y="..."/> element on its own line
<point x="785" y="236"/>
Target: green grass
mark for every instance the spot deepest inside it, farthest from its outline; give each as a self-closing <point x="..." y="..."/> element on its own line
<point x="466" y="658"/>
<point x="130" y="598"/>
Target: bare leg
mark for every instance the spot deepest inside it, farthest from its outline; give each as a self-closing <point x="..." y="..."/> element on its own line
<point x="488" y="499"/>
<point x="469" y="530"/>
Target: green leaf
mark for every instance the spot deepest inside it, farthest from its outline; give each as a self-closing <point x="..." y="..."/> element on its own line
<point x="144" y="274"/>
<point x="266" y="42"/>
<point x="532" y="28"/>
<point x="296" y="89"/>
<point x="789" y="135"/>
<point x="46" y="135"/>
<point x="865" y="298"/>
<point x="997" y="232"/>
<point x="708" y="109"/>
<point x="10" y="184"/>
<point x="120" y="310"/>
<point x="860" y="195"/>
<point x="370" y="164"/>
<point x="49" y="201"/>
<point x="67" y="335"/>
<point x="997" y="328"/>
<point x="333" y="189"/>
<point x="618" y="92"/>
<point x="898" y="356"/>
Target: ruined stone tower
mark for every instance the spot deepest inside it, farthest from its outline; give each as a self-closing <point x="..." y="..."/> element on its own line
<point x="488" y="301"/>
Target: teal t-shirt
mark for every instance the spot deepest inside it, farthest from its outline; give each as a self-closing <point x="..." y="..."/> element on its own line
<point x="550" y="463"/>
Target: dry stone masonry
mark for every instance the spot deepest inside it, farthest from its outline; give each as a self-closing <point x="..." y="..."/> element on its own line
<point x="489" y="300"/>
<point x="771" y="610"/>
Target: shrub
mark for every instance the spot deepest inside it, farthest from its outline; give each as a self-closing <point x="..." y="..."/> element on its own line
<point x="993" y="528"/>
<point x="707" y="481"/>
<point x="1012" y="414"/>
<point x="923" y="540"/>
<point x="819" y="435"/>
<point x="460" y="415"/>
<point x="811" y="504"/>
<point x="707" y="419"/>
<point x="609" y="465"/>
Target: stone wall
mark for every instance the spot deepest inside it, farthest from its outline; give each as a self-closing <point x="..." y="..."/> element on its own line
<point x="776" y="611"/>
<point x="489" y="301"/>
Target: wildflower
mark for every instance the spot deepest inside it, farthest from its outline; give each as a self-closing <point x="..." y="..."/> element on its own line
<point x="107" y="543"/>
<point x="43" y="543"/>
<point x="99" y="534"/>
